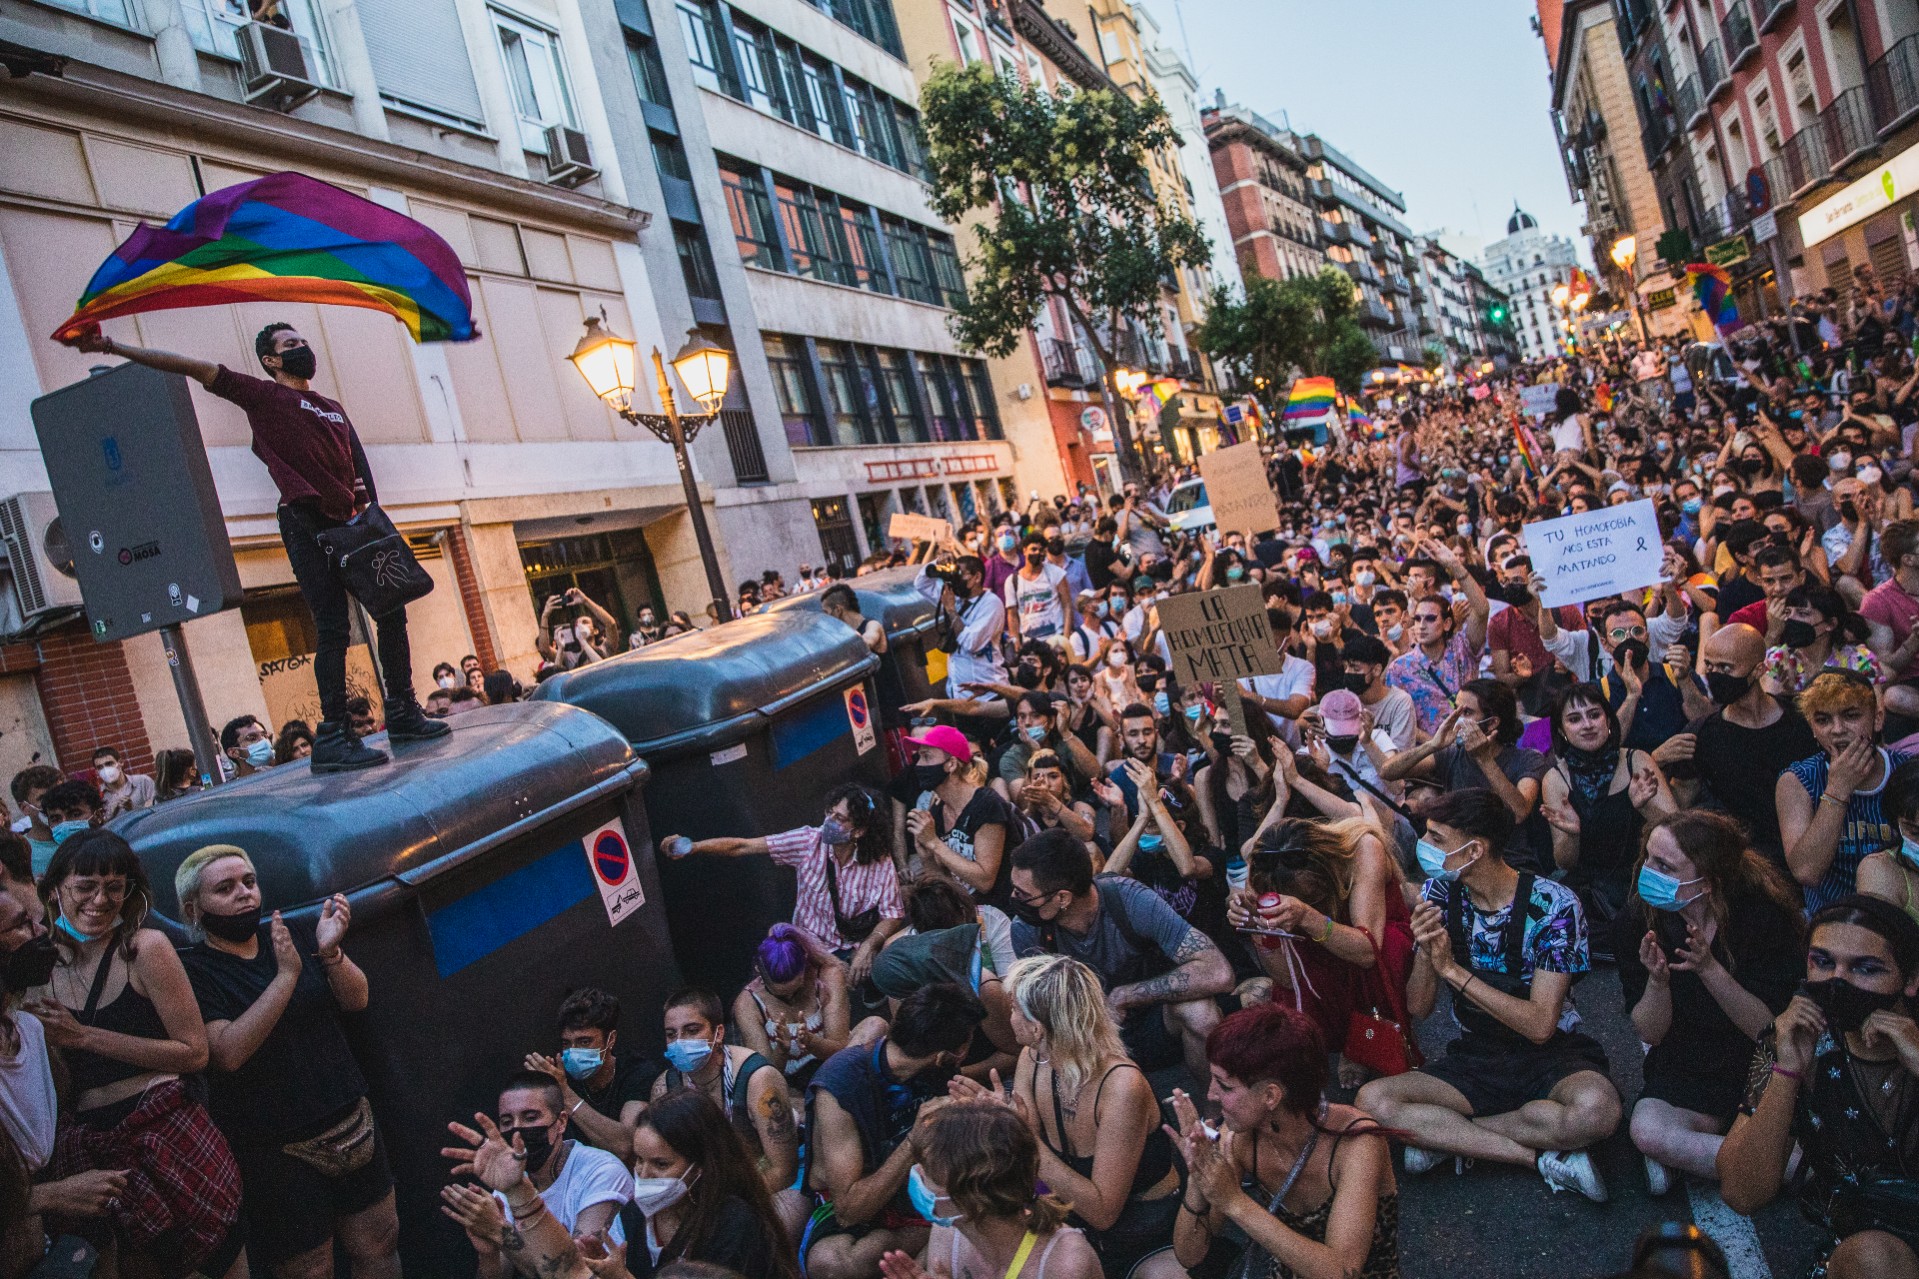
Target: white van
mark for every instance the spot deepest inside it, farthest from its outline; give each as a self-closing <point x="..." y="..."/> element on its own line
<point x="1188" y="509"/>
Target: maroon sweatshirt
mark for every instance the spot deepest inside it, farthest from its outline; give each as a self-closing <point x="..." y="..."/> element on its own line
<point x="310" y="449"/>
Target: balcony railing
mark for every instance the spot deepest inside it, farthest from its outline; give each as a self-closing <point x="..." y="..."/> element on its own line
<point x="1804" y="161"/>
<point x="1375" y="313"/>
<point x="1398" y="283"/>
<point x="1657" y="135"/>
<point x="1848" y="124"/>
<point x="1713" y="76"/>
<point x="1736" y="28"/>
<point x="1066" y="364"/>
<point x="1892" y="84"/>
<point x="1688" y="106"/>
<point x="1727" y="218"/>
<point x="1770" y="11"/>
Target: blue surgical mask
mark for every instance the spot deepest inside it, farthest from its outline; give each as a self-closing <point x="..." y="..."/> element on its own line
<point x="65" y="925"/>
<point x="1909" y="849"/>
<point x="1661" y="891"/>
<point x="1690" y="506"/>
<point x="688" y="1055"/>
<point x="1234" y="572"/>
<point x="1150" y="843"/>
<point x="1195" y="713"/>
<point x="1162" y="704"/>
<point x="63" y="831"/>
<point x="1037" y="732"/>
<point x="580" y="1063"/>
<point x="924" y="1200"/>
<point x="1432" y="860"/>
<point x="260" y="754"/>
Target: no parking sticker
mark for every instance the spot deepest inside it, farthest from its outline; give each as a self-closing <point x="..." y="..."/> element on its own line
<point x="860" y="716"/>
<point x="614" y="873"/>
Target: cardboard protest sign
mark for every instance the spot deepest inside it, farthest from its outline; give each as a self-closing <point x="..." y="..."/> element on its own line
<point x="1220" y="637"/>
<point x="1236" y="486"/>
<point x="1538" y="400"/>
<point x="1601" y="553"/>
<point x="919" y="528"/>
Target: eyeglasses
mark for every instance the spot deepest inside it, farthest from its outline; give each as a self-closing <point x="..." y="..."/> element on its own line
<point x="1626" y="632"/>
<point x="1021" y="899"/>
<point x="113" y="891"/>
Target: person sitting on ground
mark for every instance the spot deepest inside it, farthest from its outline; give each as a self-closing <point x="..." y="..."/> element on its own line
<point x="980" y="1159"/>
<point x="1829" y="810"/>
<point x="862" y="1111"/>
<point x="956" y="956"/>
<point x="1307" y="1184"/>
<point x="1160" y="973"/>
<point x="295" y="742"/>
<point x="283" y="1083"/>
<point x="1710" y="946"/>
<point x="957" y="824"/>
<point x="603" y="1089"/>
<point x="1836" y="1075"/>
<point x="933" y="904"/>
<point x="750" y="1089"/>
<point x="1821" y="633"/>
<point x="120" y="791"/>
<point x="1521" y="1084"/>
<point x="795" y="1012"/>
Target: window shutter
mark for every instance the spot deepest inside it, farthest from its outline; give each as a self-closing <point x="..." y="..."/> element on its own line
<point x="419" y="56"/>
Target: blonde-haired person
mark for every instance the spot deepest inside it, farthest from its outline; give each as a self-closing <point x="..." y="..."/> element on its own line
<point x="283" y="1084"/>
<point x="975" y="1181"/>
<point x="1093" y="1110"/>
<point x="1830" y="817"/>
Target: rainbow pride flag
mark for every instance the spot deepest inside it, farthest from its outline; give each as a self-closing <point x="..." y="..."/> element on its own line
<point x="1162" y="392"/>
<point x="1528" y="447"/>
<point x="1713" y="287"/>
<point x="1311" y="397"/>
<point x="1356" y="417"/>
<point x="285" y="238"/>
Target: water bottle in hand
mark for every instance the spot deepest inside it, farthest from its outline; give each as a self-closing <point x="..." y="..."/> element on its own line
<point x="678" y="847"/>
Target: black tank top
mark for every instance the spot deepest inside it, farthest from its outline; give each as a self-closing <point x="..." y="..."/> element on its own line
<point x="130" y="1014"/>
<point x="1155" y="1160"/>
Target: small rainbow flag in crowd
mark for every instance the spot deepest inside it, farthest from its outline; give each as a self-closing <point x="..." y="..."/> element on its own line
<point x="285" y="238"/>
<point x="1528" y="447"/>
<point x="1312" y="397"/>
<point x="1357" y="417"/>
<point x="1162" y="392"/>
<point x="1713" y="287"/>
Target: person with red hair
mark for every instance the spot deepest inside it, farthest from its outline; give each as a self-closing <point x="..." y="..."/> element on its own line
<point x="1309" y="1183"/>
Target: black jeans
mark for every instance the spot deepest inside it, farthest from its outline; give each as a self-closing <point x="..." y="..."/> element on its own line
<point x="326" y="597"/>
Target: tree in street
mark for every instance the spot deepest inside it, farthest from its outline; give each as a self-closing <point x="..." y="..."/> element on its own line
<point x="1066" y="179"/>
<point x="1277" y="330"/>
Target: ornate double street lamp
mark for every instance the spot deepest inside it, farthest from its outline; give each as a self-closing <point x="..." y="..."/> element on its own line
<point x="606" y="361"/>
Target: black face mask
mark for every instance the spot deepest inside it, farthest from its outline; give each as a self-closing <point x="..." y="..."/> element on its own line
<point x="1845" y="1005"/>
<point x="1342" y="743"/>
<point x="1632" y="653"/>
<point x="538" y="1143"/>
<point x="233" y="928"/>
<point x="1798" y="634"/>
<point x="1519" y="594"/>
<point x="1726" y="689"/>
<point x="299" y="362"/>
<point x="1752" y="466"/>
<point x="31" y="965"/>
<point x="929" y="776"/>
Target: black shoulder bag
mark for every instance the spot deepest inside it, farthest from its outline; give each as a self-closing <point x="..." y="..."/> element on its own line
<point x="375" y="562"/>
<point x="855" y="928"/>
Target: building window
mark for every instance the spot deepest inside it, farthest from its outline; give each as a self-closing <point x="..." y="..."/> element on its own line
<point x="758" y="62"/>
<point x="536" y="77"/>
<point x="828" y="107"/>
<point x="971" y="46"/>
<point x="896" y="382"/>
<point x="213" y="27"/>
<point x="649" y="73"/>
<point x="834" y="521"/>
<point x="846" y="401"/>
<point x="669" y="156"/>
<point x="700" y="25"/>
<point x="114" y="11"/>
<point x="786" y="361"/>
<point x="947" y="420"/>
<point x="814" y="243"/>
<point x="865" y="256"/>
<point x="696" y="261"/>
<point x="751" y="212"/>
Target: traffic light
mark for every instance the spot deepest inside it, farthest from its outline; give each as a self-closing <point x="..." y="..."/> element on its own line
<point x="1498" y="314"/>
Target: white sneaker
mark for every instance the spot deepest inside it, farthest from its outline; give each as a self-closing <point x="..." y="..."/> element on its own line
<point x="1571" y="1170"/>
<point x="1658" y="1176"/>
<point x="1420" y="1159"/>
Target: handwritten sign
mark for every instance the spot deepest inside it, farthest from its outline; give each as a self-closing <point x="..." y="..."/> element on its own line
<point x="919" y="528"/>
<point x="1600" y="553"/>
<point x="1220" y="637"/>
<point x="1236" y="485"/>
<point x="1538" y="400"/>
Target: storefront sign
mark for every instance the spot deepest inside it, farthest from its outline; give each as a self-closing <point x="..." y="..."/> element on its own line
<point x="1093" y="418"/>
<point x="1660" y="299"/>
<point x="1728" y="252"/>
<point x="1874" y="193"/>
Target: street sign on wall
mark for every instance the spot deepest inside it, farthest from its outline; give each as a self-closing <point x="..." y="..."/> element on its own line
<point x="1728" y="251"/>
<point x="1660" y="299"/>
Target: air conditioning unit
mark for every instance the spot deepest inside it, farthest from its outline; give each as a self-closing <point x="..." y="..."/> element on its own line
<point x="569" y="159"/>
<point x="273" y="66"/>
<point x="39" y="554"/>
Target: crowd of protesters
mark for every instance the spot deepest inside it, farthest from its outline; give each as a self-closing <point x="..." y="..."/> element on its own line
<point x="1116" y="978"/>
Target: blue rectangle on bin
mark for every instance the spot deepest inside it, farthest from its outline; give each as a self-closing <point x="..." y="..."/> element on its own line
<point x="486" y="919"/>
<point x="805" y="733"/>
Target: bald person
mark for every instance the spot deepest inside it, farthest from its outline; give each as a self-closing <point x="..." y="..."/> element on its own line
<point x="1732" y="758"/>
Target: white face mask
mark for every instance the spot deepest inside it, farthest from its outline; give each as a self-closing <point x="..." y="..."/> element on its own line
<point x="109" y="774"/>
<point x="653" y="1195"/>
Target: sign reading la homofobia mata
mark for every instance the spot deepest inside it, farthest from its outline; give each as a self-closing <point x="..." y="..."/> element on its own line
<point x="1220" y="637"/>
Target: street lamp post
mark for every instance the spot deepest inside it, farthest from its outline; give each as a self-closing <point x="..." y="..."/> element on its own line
<point x="606" y="361"/>
<point x="1562" y="296"/>
<point x="1625" y="252"/>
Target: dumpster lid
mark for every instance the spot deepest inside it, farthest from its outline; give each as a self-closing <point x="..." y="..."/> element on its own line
<point x="715" y="686"/>
<point x="888" y="597"/>
<point x="431" y="806"/>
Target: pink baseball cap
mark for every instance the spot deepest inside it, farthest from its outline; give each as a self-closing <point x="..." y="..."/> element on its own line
<point x="1340" y="710"/>
<point x="942" y="737"/>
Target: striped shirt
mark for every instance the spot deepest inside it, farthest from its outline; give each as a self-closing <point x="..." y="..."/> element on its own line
<point x="861" y="887"/>
<point x="1866" y="830"/>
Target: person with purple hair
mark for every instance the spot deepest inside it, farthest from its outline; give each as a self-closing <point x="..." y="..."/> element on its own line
<point x="795" y="1012"/>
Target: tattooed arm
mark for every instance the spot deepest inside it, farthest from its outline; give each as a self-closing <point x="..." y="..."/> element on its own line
<point x="1202" y="972"/>
<point x="772" y="1107"/>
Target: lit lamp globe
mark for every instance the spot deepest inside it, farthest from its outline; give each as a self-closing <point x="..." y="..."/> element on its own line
<point x="1625" y="251"/>
<point x="704" y="366"/>
<point x="1562" y="295"/>
<point x="605" y="360"/>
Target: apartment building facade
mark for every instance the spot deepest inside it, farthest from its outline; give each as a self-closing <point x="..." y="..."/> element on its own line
<point x="1260" y="173"/>
<point x="516" y="132"/>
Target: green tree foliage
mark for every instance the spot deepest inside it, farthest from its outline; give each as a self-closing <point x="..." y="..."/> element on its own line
<point x="1073" y="214"/>
<point x="1278" y="330"/>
